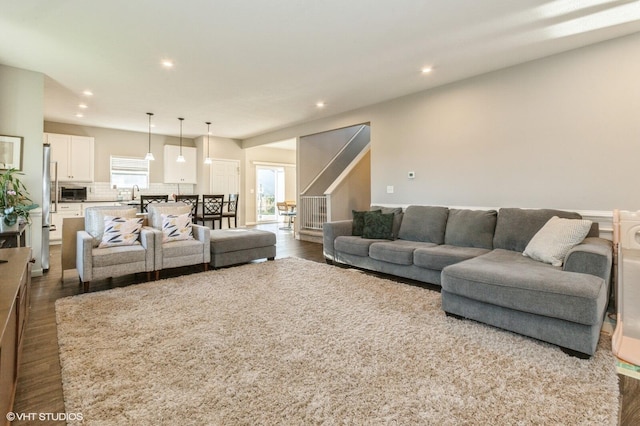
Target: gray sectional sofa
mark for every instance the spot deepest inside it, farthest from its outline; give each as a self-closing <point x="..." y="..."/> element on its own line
<point x="476" y="256"/>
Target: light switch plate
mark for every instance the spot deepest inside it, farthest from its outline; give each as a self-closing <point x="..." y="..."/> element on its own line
<point x="390" y="189"/>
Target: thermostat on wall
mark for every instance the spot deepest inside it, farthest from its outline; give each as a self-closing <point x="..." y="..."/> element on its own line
<point x="411" y="175"/>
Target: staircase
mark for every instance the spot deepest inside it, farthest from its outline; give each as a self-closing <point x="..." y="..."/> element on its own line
<point x="319" y="198"/>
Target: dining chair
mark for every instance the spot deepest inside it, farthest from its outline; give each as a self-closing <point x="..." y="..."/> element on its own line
<point x="145" y="200"/>
<point x="212" y="209"/>
<point x="191" y="200"/>
<point x="232" y="210"/>
<point x="284" y="209"/>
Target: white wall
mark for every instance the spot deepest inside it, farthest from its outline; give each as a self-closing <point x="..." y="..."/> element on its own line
<point x="561" y="132"/>
<point x="21" y="114"/>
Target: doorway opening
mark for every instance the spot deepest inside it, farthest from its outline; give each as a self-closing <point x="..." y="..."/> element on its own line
<point x="270" y="181"/>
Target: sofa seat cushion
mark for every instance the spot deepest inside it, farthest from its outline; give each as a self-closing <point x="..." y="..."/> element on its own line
<point x="119" y="255"/>
<point x="356" y="246"/>
<point x="399" y="252"/>
<point x="509" y="279"/>
<point x="182" y="248"/>
<point x="438" y="257"/>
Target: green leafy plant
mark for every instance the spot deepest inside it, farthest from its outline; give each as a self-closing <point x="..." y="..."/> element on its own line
<point x="14" y="198"/>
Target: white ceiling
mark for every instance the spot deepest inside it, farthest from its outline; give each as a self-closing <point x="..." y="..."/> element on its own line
<point x="252" y="66"/>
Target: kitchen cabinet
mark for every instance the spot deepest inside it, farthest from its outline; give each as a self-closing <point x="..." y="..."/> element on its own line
<point x="175" y="172"/>
<point x="64" y="210"/>
<point x="15" y="292"/>
<point x="74" y="156"/>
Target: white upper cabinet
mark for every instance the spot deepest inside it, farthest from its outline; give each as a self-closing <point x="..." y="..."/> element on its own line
<point x="74" y="156"/>
<point x="175" y="172"/>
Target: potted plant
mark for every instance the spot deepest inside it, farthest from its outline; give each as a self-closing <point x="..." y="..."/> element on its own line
<point x="14" y="200"/>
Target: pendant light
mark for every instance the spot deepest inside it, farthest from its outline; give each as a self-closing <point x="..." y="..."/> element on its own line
<point x="149" y="155"/>
<point x="180" y="158"/>
<point x="207" y="160"/>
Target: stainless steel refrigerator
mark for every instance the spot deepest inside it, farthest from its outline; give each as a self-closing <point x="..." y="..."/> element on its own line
<point x="49" y="201"/>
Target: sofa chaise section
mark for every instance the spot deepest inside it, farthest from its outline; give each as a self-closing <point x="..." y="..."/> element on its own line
<point x="560" y="305"/>
<point x="508" y="290"/>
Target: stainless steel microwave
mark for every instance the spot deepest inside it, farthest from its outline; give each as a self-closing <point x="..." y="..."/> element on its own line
<point x="73" y="193"/>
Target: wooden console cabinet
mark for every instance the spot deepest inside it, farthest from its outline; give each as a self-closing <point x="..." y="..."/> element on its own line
<point x="14" y="310"/>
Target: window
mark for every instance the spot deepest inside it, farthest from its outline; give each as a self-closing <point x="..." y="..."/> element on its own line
<point x="126" y="172"/>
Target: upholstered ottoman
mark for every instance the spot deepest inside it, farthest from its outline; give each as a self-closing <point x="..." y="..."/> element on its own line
<point x="240" y="245"/>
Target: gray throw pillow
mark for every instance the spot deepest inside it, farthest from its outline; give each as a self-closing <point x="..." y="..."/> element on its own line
<point x="378" y="225"/>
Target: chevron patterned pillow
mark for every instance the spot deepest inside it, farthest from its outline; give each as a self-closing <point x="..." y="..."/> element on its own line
<point x="176" y="227"/>
<point x="120" y="231"/>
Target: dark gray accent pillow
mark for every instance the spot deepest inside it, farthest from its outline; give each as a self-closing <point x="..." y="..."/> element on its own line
<point x="378" y="225"/>
<point x="515" y="227"/>
<point x="397" y="218"/>
<point x="424" y="223"/>
<point x="471" y="228"/>
<point x="358" y="221"/>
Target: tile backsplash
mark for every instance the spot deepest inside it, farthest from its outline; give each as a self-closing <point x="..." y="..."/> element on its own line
<point x="104" y="190"/>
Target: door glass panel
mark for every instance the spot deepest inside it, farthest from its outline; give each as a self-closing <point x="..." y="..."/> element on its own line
<point x="266" y="202"/>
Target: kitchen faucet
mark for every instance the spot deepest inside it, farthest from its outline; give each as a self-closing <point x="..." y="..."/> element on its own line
<point x="133" y="191"/>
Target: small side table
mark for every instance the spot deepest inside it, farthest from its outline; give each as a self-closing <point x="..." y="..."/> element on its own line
<point x="13" y="238"/>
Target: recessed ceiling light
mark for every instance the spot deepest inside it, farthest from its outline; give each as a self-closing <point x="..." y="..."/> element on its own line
<point x="83" y="106"/>
<point x="167" y="63"/>
<point x="87" y="93"/>
<point x="426" y="70"/>
<point x="320" y="104"/>
<point x="79" y="115"/>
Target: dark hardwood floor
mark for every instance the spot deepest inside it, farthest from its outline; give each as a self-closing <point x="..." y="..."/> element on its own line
<point x="39" y="381"/>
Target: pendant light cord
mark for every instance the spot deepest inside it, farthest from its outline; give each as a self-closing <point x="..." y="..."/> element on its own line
<point x="149" y="114"/>
<point x="181" y="119"/>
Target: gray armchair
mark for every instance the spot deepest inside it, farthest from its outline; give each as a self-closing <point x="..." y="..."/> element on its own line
<point x="94" y="262"/>
<point x="181" y="252"/>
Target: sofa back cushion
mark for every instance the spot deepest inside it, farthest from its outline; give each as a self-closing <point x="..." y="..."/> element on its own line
<point x="471" y="228"/>
<point x="424" y="223"/>
<point x="515" y="227"/>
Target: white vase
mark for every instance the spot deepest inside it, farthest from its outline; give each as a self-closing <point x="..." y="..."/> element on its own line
<point x="7" y="228"/>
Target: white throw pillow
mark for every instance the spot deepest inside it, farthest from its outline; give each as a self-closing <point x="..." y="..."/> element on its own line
<point x="120" y="231"/>
<point x="554" y="240"/>
<point x="176" y="227"/>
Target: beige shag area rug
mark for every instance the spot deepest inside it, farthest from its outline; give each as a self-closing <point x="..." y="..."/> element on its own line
<point x="297" y="342"/>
